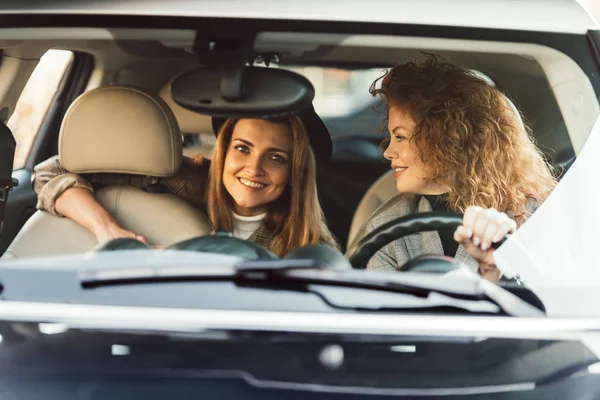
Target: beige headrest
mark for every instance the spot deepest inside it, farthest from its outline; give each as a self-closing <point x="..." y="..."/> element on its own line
<point x="120" y="129"/>
<point x="189" y="121"/>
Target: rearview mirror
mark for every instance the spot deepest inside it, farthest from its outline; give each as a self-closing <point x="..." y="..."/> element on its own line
<point x="247" y="92"/>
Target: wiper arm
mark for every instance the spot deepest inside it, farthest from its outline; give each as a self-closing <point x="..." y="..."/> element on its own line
<point x="469" y="289"/>
<point x="285" y="273"/>
<point x="300" y="274"/>
<point x="263" y="270"/>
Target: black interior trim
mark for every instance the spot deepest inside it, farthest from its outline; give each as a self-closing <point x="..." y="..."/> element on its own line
<point x="594" y="44"/>
<point x="20" y="207"/>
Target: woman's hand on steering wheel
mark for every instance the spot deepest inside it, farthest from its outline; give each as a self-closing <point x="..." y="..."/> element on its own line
<point x="480" y="228"/>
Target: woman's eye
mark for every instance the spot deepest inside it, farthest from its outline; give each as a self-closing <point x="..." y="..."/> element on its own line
<point x="242" y="149"/>
<point x="399" y="138"/>
<point x="278" y="158"/>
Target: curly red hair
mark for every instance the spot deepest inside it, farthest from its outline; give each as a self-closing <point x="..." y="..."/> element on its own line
<point x="470" y="136"/>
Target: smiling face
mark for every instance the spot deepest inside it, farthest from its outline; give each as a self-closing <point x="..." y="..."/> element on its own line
<point x="257" y="164"/>
<point x="410" y="172"/>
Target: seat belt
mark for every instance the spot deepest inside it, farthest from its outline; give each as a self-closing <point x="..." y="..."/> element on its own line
<point x="7" y="154"/>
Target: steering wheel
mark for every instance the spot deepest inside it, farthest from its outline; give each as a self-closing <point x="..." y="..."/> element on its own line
<point x="360" y="254"/>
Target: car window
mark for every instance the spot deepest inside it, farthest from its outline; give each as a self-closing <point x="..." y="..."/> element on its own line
<point x="343" y="101"/>
<point x="35" y="99"/>
<point x="201" y="143"/>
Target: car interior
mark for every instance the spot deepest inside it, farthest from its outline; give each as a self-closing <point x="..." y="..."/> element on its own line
<point x="111" y="87"/>
<point x="135" y="68"/>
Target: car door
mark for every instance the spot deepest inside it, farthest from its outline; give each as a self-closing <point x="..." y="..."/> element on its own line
<point x="7" y="152"/>
<point x="58" y="79"/>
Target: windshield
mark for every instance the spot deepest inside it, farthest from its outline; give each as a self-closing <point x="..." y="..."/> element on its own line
<point x="353" y="203"/>
<point x="356" y="121"/>
<point x="267" y="201"/>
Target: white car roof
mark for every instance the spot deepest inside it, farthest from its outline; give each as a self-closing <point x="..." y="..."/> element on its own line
<point x="566" y="16"/>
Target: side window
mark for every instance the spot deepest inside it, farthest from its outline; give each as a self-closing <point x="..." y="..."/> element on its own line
<point x="195" y="144"/>
<point x="343" y="101"/>
<point x="35" y="100"/>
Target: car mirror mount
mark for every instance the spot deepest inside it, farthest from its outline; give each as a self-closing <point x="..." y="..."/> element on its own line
<point x="228" y="84"/>
<point x="229" y="50"/>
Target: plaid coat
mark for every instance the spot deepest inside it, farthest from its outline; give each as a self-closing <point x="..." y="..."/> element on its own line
<point x="395" y="254"/>
<point x="50" y="180"/>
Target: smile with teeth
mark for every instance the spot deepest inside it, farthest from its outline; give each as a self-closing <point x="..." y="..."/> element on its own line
<point x="252" y="184"/>
<point x="399" y="170"/>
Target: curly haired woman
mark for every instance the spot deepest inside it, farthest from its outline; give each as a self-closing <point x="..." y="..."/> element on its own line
<point x="456" y="144"/>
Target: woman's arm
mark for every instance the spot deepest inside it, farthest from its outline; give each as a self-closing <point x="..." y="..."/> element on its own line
<point x="50" y="180"/>
<point x="63" y="193"/>
<point x="79" y="205"/>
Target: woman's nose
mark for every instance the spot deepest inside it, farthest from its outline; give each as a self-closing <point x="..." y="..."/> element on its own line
<point x="254" y="165"/>
<point x="389" y="152"/>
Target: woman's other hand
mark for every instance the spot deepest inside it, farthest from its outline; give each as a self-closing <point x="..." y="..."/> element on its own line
<point x="111" y="230"/>
<point x="481" y="227"/>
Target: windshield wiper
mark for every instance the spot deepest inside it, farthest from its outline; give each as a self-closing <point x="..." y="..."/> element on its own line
<point x="301" y="275"/>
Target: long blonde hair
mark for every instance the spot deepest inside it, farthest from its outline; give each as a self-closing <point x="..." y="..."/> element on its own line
<point x="295" y="218"/>
<point x="470" y="136"/>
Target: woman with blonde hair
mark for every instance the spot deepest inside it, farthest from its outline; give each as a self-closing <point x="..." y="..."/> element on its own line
<point x="260" y="184"/>
<point x="456" y="144"/>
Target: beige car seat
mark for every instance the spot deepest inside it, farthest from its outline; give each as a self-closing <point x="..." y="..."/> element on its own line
<point x="125" y="130"/>
<point x="381" y="191"/>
